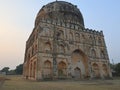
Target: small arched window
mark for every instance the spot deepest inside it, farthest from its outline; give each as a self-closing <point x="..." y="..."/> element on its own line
<point x="71" y="36"/>
<point x="93" y="53"/>
<point x="47" y="46"/>
<point x="102" y="54"/>
<point x="99" y="41"/>
<point x="60" y="34"/>
<point x="47" y="64"/>
<point x="77" y="37"/>
<point x="83" y="38"/>
<point x="90" y="39"/>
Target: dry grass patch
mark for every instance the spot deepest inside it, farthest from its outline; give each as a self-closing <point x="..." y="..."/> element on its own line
<point x="17" y="83"/>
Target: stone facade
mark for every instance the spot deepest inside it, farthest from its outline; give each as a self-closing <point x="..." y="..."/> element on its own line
<point x="60" y="47"/>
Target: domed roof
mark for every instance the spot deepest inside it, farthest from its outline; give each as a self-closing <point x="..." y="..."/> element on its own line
<point x="60" y="10"/>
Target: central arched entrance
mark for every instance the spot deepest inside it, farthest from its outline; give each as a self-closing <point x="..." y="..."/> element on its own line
<point x="62" y="70"/>
<point x="77" y="72"/>
<point x="80" y="61"/>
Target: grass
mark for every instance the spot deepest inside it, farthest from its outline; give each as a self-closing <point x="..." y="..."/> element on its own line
<point x="17" y="83"/>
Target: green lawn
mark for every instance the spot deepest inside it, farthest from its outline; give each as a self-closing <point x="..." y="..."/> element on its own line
<point x="17" y="83"/>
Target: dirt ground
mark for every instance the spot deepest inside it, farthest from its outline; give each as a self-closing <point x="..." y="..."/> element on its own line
<point x="1" y="81"/>
<point x="18" y="83"/>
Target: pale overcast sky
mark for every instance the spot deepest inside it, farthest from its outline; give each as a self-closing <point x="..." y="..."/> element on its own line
<point x="17" y="22"/>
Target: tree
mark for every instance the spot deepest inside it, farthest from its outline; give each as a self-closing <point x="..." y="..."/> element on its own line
<point x="19" y="69"/>
<point x="11" y="72"/>
<point x="117" y="69"/>
<point x="5" y="69"/>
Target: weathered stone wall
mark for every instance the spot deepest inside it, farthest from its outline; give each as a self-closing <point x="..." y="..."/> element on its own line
<point x="63" y="48"/>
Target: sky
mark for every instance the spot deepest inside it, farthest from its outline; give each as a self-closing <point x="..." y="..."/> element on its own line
<point x="17" y="22"/>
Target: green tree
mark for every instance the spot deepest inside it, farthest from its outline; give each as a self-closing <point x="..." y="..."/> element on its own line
<point x="5" y="69"/>
<point x="117" y="69"/>
<point x="19" y="69"/>
<point x="12" y="72"/>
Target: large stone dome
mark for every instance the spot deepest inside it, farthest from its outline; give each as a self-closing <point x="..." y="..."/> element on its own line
<point x="62" y="11"/>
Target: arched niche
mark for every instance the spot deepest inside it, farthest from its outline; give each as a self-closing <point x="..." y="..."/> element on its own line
<point x="93" y="53"/>
<point x="47" y="46"/>
<point x="99" y="41"/>
<point x="105" y="70"/>
<point x="79" y="58"/>
<point x="78" y="55"/>
<point x="61" y="49"/>
<point x="96" y="71"/>
<point x="47" y="69"/>
<point x="102" y="54"/>
<point x="83" y="38"/>
<point x="60" y="34"/>
<point x="62" y="73"/>
<point x="71" y="36"/>
<point x="77" y="35"/>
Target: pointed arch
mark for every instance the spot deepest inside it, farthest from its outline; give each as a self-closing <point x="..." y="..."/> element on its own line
<point x="102" y="54"/>
<point x="71" y="36"/>
<point x="83" y="38"/>
<point x="47" y="69"/>
<point x="77" y="72"/>
<point x="95" y="68"/>
<point x="93" y="53"/>
<point x="47" y="46"/>
<point x="47" y="64"/>
<point x="90" y="39"/>
<point x="62" y="73"/>
<point x="78" y="56"/>
<point x="77" y="35"/>
<point x="105" y="70"/>
<point x="61" y="49"/>
<point x="60" y="34"/>
<point x="99" y="41"/>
